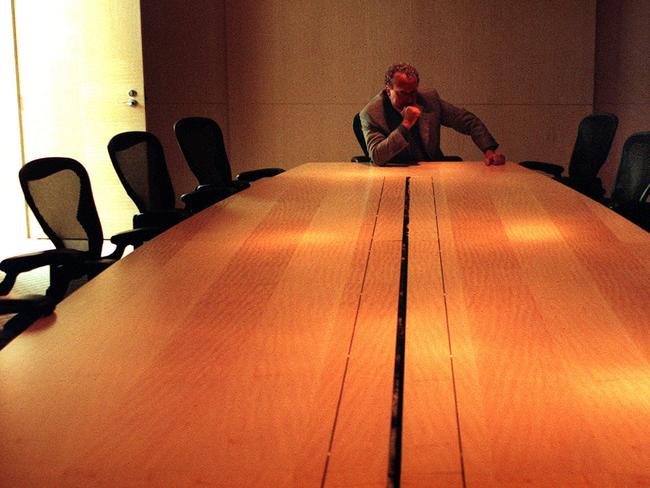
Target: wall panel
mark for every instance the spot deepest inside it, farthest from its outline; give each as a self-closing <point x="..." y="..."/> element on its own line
<point x="292" y="74"/>
<point x="525" y="132"/>
<point x="184" y="55"/>
<point x="622" y="72"/>
<point x="274" y="134"/>
<point x="162" y="125"/>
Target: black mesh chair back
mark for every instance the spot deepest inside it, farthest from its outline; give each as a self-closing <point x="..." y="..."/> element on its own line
<point x="59" y="194"/>
<point x="139" y="161"/>
<point x="595" y="136"/>
<point x="645" y="196"/>
<point x="593" y="142"/>
<point x="633" y="176"/>
<point x="202" y="144"/>
<point x="358" y="133"/>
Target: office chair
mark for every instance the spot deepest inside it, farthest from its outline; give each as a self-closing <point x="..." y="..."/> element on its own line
<point x="139" y="161"/>
<point x="26" y="308"/>
<point x="632" y="186"/>
<point x="358" y="133"/>
<point x="593" y="142"/>
<point x="201" y="142"/>
<point x="59" y="194"/>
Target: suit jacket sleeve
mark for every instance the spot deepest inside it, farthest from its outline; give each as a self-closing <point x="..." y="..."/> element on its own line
<point x="467" y="123"/>
<point x="382" y="147"/>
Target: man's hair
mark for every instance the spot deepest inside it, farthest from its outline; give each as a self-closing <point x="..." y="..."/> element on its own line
<point x="408" y="70"/>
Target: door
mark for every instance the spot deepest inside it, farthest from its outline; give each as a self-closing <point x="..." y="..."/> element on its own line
<point x="81" y="82"/>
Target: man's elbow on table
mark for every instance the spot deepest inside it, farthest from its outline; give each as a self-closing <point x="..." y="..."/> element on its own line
<point x="378" y="162"/>
<point x="378" y="155"/>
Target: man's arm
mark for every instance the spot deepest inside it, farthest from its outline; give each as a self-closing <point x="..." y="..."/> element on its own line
<point x="382" y="147"/>
<point x="467" y="123"/>
<point x="493" y="158"/>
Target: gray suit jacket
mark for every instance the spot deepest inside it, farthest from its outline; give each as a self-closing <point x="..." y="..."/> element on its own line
<point x="388" y="140"/>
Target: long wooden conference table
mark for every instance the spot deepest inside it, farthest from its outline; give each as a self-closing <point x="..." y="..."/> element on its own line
<point x="339" y="325"/>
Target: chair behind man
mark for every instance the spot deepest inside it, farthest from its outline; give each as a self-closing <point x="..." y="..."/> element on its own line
<point x="358" y="133"/>
<point x="59" y="193"/>
<point x="594" y="139"/>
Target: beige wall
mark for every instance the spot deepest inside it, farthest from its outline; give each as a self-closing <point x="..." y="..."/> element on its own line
<point x="623" y="72"/>
<point x="184" y="57"/>
<point x="284" y="78"/>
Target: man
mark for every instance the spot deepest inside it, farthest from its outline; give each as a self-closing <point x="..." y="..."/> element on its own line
<point x="402" y="125"/>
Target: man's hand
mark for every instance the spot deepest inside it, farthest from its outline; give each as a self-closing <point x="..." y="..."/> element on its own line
<point x="410" y="114"/>
<point x="494" y="158"/>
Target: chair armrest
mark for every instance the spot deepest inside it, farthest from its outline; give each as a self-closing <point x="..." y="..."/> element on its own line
<point x="256" y="174"/>
<point x="550" y="168"/>
<point x="135" y="235"/>
<point x="206" y="195"/>
<point x="645" y="195"/>
<point x="15" y="265"/>
<point x="239" y="185"/>
<point x="360" y="159"/>
<point x="135" y="238"/>
<point x="163" y="219"/>
<point x="27" y="262"/>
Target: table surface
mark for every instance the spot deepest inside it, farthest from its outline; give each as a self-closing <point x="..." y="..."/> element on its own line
<point x="255" y="343"/>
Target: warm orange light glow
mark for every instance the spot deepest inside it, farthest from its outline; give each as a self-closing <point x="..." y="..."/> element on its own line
<point x="629" y="389"/>
<point x="341" y="173"/>
<point x="532" y="232"/>
<point x="292" y="238"/>
<point x="319" y="237"/>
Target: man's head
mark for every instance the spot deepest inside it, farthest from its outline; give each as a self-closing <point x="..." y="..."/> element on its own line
<point x="402" y="82"/>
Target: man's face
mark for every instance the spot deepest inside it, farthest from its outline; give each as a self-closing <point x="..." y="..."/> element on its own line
<point x="404" y="91"/>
